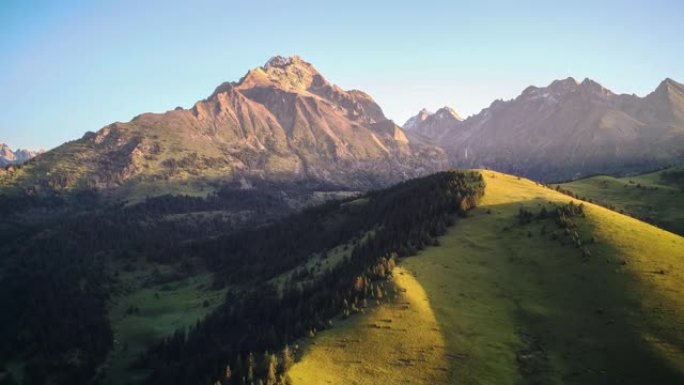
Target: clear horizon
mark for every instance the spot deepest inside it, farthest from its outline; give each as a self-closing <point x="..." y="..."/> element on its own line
<point x="73" y="67"/>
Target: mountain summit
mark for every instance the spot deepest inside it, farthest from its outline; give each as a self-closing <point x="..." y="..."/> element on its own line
<point x="281" y="122"/>
<point x="433" y="125"/>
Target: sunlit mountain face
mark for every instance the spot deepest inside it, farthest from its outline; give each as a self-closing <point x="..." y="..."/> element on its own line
<point x="281" y="122"/>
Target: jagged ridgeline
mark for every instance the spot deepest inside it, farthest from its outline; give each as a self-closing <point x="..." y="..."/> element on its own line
<point x="286" y="301"/>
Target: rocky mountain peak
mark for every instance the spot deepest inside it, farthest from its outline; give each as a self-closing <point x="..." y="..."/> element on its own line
<point x="8" y="156"/>
<point x="447" y="113"/>
<point x="559" y="89"/>
<point x="282" y="61"/>
<point x="6" y="152"/>
<point x="567" y="82"/>
<point x="434" y="126"/>
<point x="413" y="122"/>
<point x="290" y="73"/>
<point x="564" y="85"/>
<point x="550" y="93"/>
<point x="595" y="87"/>
<point x="669" y="85"/>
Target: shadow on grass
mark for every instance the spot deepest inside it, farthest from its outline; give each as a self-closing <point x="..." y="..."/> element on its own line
<point x="579" y="321"/>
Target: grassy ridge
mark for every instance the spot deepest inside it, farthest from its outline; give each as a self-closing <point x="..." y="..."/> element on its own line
<point x="514" y="305"/>
<point x="656" y="197"/>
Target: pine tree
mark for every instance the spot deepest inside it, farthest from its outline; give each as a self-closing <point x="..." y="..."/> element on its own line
<point x="250" y="368"/>
<point x="287" y="360"/>
<point x="271" y="370"/>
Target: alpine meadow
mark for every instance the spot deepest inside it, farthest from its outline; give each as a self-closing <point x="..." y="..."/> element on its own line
<point x="271" y="225"/>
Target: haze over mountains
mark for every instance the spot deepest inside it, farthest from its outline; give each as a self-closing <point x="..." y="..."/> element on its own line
<point x="566" y="130"/>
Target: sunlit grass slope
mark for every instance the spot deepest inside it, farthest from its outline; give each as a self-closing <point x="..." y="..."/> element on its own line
<point x="383" y="346"/>
<point x="649" y="196"/>
<point x="513" y="305"/>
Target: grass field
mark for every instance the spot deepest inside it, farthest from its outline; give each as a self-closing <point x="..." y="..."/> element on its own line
<point x="511" y="305"/>
<point x="648" y="196"/>
<point x="150" y="307"/>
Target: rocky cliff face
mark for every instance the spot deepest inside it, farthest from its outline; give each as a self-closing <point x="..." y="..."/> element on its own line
<point x="570" y="129"/>
<point x="281" y="122"/>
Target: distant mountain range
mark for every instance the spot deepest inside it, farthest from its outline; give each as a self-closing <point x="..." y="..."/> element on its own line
<point x="566" y="130"/>
<point x="281" y="122"/>
<point x="7" y="156"/>
<point x="284" y="122"/>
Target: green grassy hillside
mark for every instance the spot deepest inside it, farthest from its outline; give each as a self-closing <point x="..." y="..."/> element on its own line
<point x="656" y="197"/>
<point x="149" y="305"/>
<point x="508" y="300"/>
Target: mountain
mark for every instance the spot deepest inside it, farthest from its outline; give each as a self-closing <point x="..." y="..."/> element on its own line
<point x="7" y="156"/>
<point x="569" y="129"/>
<point x="282" y="122"/>
<point x="433" y="125"/>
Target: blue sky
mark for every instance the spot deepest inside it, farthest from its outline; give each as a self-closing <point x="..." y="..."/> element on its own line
<point x="71" y="66"/>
